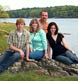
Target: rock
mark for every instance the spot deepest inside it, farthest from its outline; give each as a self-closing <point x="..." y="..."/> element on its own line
<point x="47" y="67"/>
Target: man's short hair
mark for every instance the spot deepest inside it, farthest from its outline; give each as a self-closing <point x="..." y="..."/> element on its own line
<point x="43" y="11"/>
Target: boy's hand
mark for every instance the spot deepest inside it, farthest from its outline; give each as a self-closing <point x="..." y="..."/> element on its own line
<point x="21" y="54"/>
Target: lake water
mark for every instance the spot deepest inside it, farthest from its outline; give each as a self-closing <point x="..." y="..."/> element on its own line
<point x="66" y="25"/>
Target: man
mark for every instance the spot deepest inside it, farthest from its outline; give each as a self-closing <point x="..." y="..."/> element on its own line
<point x="44" y="23"/>
<point x="18" y="41"/>
<point x="43" y="20"/>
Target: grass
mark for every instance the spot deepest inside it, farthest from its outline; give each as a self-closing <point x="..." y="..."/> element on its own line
<point x="7" y="26"/>
<point x="3" y="43"/>
<point x="3" y="39"/>
<point x="32" y="76"/>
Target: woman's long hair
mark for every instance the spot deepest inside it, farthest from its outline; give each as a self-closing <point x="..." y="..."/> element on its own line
<point x="31" y="22"/>
<point x="49" y="27"/>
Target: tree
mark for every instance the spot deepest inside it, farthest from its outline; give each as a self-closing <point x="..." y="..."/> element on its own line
<point x="3" y="13"/>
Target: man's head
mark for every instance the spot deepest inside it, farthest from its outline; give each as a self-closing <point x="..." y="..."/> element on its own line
<point x="44" y="15"/>
<point x="20" y="23"/>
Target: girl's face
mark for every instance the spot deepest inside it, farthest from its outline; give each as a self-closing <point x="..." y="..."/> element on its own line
<point x="53" y="29"/>
<point x="34" y="25"/>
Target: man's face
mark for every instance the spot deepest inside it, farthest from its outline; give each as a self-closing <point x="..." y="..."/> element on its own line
<point x="44" y="16"/>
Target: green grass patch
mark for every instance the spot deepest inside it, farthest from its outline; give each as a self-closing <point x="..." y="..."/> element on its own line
<point x="7" y="26"/>
<point x="32" y="76"/>
<point x="3" y="43"/>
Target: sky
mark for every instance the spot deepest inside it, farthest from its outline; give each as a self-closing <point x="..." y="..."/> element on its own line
<point x="19" y="4"/>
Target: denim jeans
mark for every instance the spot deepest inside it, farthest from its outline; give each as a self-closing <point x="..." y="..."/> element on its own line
<point x="37" y="55"/>
<point x="8" y="58"/>
<point x="67" y="58"/>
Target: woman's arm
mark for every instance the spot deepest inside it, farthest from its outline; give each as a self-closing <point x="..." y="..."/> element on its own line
<point x="27" y="53"/>
<point x="49" y="50"/>
<point x="66" y="45"/>
<point x="46" y="54"/>
<point x="44" y="42"/>
<point x="31" y="47"/>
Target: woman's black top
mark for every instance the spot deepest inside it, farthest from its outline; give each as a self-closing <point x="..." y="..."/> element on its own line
<point x="56" y="46"/>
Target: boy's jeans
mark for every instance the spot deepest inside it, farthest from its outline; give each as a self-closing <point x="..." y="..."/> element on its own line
<point x="8" y="58"/>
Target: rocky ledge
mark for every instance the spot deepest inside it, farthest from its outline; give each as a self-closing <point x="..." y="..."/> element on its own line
<point x="47" y="67"/>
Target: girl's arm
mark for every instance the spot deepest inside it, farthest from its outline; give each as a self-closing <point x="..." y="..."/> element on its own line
<point x="66" y="45"/>
<point x="27" y="53"/>
<point x="49" y="50"/>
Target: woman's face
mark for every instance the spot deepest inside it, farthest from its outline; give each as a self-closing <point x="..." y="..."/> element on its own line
<point x="34" y="25"/>
<point x="53" y="29"/>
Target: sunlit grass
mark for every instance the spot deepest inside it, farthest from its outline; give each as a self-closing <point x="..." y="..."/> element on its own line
<point x="7" y="26"/>
<point x="32" y="76"/>
<point x="3" y="43"/>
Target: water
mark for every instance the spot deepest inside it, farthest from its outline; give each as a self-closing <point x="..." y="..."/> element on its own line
<point x="13" y="20"/>
<point x="66" y="25"/>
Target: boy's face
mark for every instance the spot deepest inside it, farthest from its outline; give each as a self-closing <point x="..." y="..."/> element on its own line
<point x="20" y="26"/>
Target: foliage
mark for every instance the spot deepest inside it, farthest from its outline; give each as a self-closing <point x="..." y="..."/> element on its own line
<point x="3" y="13"/>
<point x="1" y="8"/>
<point x="54" y="12"/>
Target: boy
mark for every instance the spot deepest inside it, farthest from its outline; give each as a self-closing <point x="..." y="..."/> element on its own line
<point x="18" y="41"/>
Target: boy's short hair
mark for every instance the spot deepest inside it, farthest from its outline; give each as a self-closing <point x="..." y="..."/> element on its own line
<point x="20" y="20"/>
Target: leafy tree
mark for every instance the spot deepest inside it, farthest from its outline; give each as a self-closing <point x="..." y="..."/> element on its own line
<point x="54" y="12"/>
<point x="3" y="13"/>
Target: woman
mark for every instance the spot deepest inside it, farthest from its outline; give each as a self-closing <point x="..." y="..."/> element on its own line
<point x="38" y="46"/>
<point x="61" y="51"/>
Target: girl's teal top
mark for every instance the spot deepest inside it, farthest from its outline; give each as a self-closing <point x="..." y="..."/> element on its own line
<point x="38" y="40"/>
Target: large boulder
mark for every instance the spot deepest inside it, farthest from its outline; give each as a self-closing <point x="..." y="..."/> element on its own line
<point x="47" y="67"/>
